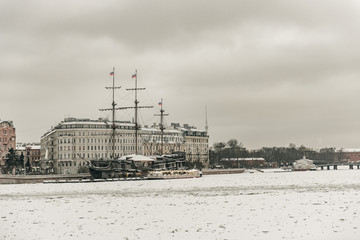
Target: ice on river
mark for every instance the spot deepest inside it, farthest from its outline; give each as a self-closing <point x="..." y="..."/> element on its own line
<point x="289" y="205"/>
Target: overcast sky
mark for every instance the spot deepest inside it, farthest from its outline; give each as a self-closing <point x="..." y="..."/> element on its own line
<point x="270" y="72"/>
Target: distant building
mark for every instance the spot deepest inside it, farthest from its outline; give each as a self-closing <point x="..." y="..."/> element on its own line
<point x="347" y="155"/>
<point x="196" y="144"/>
<point x="186" y="138"/>
<point x="31" y="152"/>
<point x="7" y="139"/>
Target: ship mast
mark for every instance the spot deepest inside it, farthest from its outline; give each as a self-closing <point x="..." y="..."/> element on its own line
<point x="113" y="111"/>
<point x="162" y="126"/>
<point x="113" y="115"/>
<point x="137" y="127"/>
<point x="206" y="121"/>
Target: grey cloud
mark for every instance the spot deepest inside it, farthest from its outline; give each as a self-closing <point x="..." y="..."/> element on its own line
<point x="270" y="72"/>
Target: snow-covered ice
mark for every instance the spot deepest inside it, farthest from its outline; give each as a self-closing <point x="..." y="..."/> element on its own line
<point x="288" y="205"/>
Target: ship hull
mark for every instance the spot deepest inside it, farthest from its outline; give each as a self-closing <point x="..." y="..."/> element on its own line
<point x="173" y="174"/>
<point x="110" y="173"/>
<point x="103" y="169"/>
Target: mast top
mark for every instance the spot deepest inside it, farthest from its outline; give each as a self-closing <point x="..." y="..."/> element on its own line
<point x="206" y="121"/>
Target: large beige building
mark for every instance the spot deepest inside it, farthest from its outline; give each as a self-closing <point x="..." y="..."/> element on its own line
<point x="67" y="147"/>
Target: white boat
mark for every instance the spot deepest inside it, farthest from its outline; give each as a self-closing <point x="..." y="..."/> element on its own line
<point x="304" y="165"/>
<point x="173" y="174"/>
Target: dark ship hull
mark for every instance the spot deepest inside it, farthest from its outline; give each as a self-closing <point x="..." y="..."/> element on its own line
<point x="103" y="169"/>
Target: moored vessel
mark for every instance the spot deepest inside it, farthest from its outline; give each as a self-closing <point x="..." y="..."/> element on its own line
<point x="113" y="168"/>
<point x="304" y="165"/>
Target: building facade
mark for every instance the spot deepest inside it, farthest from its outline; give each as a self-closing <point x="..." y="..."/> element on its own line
<point x="347" y="155"/>
<point x="31" y="153"/>
<point x="73" y="142"/>
<point x="173" y="141"/>
<point x="7" y="139"/>
<point x="196" y="145"/>
<point x="186" y="138"/>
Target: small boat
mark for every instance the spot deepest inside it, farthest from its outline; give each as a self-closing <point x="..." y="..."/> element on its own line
<point x="304" y="165"/>
<point x="173" y="174"/>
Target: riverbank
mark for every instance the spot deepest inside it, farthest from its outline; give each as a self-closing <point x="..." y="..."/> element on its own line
<point x="222" y="171"/>
<point x="20" y="179"/>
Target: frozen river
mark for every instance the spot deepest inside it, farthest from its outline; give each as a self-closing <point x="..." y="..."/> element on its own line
<point x="291" y="205"/>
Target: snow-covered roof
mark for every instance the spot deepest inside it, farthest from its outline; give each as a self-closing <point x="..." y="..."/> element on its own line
<point x="137" y="158"/>
<point x="304" y="161"/>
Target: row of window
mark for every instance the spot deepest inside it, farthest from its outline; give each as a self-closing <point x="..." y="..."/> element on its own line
<point x="5" y="132"/>
<point x="109" y="126"/>
<point x="94" y="140"/>
<point x="70" y="164"/>
<point x="96" y="148"/>
<point x="73" y="134"/>
<point x="166" y="139"/>
<point x="5" y="139"/>
<point x="198" y="140"/>
<point x="90" y="155"/>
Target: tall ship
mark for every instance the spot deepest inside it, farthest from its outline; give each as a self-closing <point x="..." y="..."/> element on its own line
<point x="126" y="166"/>
<point x="163" y="166"/>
